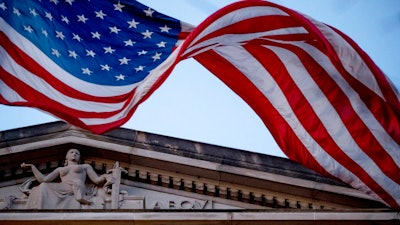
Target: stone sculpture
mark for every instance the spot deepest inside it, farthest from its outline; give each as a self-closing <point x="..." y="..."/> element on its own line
<point x="72" y="192"/>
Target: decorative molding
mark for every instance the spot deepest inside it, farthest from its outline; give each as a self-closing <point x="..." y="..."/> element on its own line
<point x="75" y="137"/>
<point x="173" y="164"/>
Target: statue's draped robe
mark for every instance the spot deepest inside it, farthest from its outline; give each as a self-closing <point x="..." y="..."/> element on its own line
<point x="60" y="196"/>
<point x="53" y="196"/>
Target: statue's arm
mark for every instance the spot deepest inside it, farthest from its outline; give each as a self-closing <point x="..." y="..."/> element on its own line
<point x="39" y="176"/>
<point x="93" y="175"/>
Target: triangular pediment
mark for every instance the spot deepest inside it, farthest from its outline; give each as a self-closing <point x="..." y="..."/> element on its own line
<point x="169" y="173"/>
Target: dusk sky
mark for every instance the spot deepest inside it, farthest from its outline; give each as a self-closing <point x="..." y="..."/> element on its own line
<point x="193" y="104"/>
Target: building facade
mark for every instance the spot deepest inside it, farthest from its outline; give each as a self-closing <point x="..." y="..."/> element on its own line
<point x="156" y="179"/>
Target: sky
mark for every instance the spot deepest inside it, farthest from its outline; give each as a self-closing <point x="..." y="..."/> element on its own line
<point x="193" y="104"/>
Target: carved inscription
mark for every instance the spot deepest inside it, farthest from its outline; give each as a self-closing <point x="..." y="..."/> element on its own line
<point x="185" y="204"/>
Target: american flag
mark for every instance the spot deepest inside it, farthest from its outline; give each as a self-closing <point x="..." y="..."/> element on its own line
<point x="328" y="106"/>
<point x="88" y="62"/>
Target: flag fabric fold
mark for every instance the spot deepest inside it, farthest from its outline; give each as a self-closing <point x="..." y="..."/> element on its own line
<point x="89" y="63"/>
<point x="326" y="103"/>
<point x="328" y="106"/>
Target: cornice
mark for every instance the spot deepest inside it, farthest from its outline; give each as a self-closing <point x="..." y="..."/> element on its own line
<point x="179" y="164"/>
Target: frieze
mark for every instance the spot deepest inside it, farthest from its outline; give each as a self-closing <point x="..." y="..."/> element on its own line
<point x="114" y="194"/>
<point x="183" y="204"/>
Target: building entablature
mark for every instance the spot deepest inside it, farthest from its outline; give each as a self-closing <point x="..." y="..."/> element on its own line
<point x="157" y="173"/>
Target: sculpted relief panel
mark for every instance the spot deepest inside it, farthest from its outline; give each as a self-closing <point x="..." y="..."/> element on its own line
<point x="78" y="186"/>
<point x="73" y="192"/>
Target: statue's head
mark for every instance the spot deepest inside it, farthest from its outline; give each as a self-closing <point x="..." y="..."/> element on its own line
<point x="73" y="155"/>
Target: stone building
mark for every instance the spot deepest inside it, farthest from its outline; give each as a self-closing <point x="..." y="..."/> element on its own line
<point x="164" y="180"/>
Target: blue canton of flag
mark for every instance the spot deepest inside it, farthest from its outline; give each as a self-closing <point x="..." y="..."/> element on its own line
<point x="102" y="42"/>
<point x="88" y="62"/>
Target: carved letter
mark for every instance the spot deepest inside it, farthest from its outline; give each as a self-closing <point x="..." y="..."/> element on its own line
<point x="187" y="205"/>
<point x="203" y="206"/>
<point x="171" y="204"/>
<point x="157" y="205"/>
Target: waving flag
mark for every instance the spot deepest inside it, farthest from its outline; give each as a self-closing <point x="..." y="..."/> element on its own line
<point x="325" y="102"/>
<point x="88" y="62"/>
<point x="328" y="106"/>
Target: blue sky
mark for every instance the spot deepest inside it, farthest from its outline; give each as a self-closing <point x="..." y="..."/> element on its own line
<point x="193" y="104"/>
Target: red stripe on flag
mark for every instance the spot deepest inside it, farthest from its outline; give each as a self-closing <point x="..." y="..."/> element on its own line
<point x="253" y="25"/>
<point x="386" y="111"/>
<point x="32" y="66"/>
<point x="278" y="127"/>
<point x="282" y="132"/>
<point x="37" y="99"/>
<point x="364" y="140"/>
<point x="357" y="128"/>
<point x="391" y="94"/>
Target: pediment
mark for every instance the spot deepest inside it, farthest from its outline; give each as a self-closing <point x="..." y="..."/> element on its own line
<point x="170" y="173"/>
